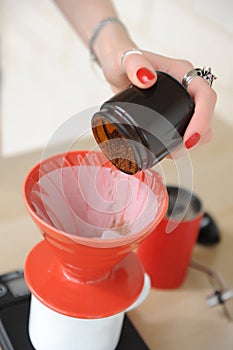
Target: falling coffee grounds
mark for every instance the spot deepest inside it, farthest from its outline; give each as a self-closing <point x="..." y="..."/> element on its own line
<point x="148" y="123"/>
<point x="115" y="147"/>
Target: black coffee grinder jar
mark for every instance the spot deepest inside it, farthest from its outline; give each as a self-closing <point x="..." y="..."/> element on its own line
<point x="138" y="127"/>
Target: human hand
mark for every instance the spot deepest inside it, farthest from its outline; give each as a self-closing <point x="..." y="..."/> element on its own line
<point x="108" y="43"/>
<point x="141" y="71"/>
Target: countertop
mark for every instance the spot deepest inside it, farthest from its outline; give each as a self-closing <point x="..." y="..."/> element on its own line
<point x="167" y="320"/>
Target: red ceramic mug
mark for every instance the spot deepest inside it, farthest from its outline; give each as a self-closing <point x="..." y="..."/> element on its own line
<point x="167" y="251"/>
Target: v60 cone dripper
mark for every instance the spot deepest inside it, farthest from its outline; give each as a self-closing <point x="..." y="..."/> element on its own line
<point x="92" y="217"/>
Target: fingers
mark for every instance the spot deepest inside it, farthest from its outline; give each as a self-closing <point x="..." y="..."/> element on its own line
<point x="138" y="68"/>
<point x="123" y="69"/>
<point x="199" y="128"/>
<point x="204" y="97"/>
<point x="206" y="138"/>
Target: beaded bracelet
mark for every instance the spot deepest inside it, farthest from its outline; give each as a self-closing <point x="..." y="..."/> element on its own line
<point x="96" y="31"/>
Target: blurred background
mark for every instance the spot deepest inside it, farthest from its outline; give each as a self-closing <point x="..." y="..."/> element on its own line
<point x="47" y="77"/>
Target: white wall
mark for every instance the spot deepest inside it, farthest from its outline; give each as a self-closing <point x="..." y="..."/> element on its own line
<point x="198" y="30"/>
<point x="47" y="77"/>
<point x="46" y="74"/>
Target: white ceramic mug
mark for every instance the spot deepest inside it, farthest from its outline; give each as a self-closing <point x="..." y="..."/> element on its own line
<point x="49" y="330"/>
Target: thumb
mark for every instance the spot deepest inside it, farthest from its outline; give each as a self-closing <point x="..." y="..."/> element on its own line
<point x="138" y="69"/>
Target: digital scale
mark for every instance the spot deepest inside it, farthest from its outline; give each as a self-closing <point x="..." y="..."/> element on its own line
<point x="14" y="311"/>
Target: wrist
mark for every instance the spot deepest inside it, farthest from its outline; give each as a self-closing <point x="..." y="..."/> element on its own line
<point x="112" y="38"/>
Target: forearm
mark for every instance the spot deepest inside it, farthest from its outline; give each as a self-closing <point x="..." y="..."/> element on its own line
<point x="84" y="15"/>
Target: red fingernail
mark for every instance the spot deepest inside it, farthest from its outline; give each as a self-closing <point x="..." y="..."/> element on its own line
<point x="144" y="75"/>
<point x="193" y="140"/>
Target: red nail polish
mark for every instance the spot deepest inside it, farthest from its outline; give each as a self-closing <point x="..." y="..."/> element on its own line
<point x="193" y="140"/>
<point x="144" y="75"/>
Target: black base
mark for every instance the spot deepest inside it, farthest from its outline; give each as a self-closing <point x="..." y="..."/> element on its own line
<point x="14" y="330"/>
<point x="209" y="233"/>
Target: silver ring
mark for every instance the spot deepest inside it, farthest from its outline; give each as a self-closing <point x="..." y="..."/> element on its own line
<point x="128" y="53"/>
<point x="198" y="72"/>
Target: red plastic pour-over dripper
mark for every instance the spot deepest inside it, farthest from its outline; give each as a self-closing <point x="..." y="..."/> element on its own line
<point x="92" y="217"/>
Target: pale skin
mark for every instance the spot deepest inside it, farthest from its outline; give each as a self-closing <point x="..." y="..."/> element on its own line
<point x="113" y="40"/>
